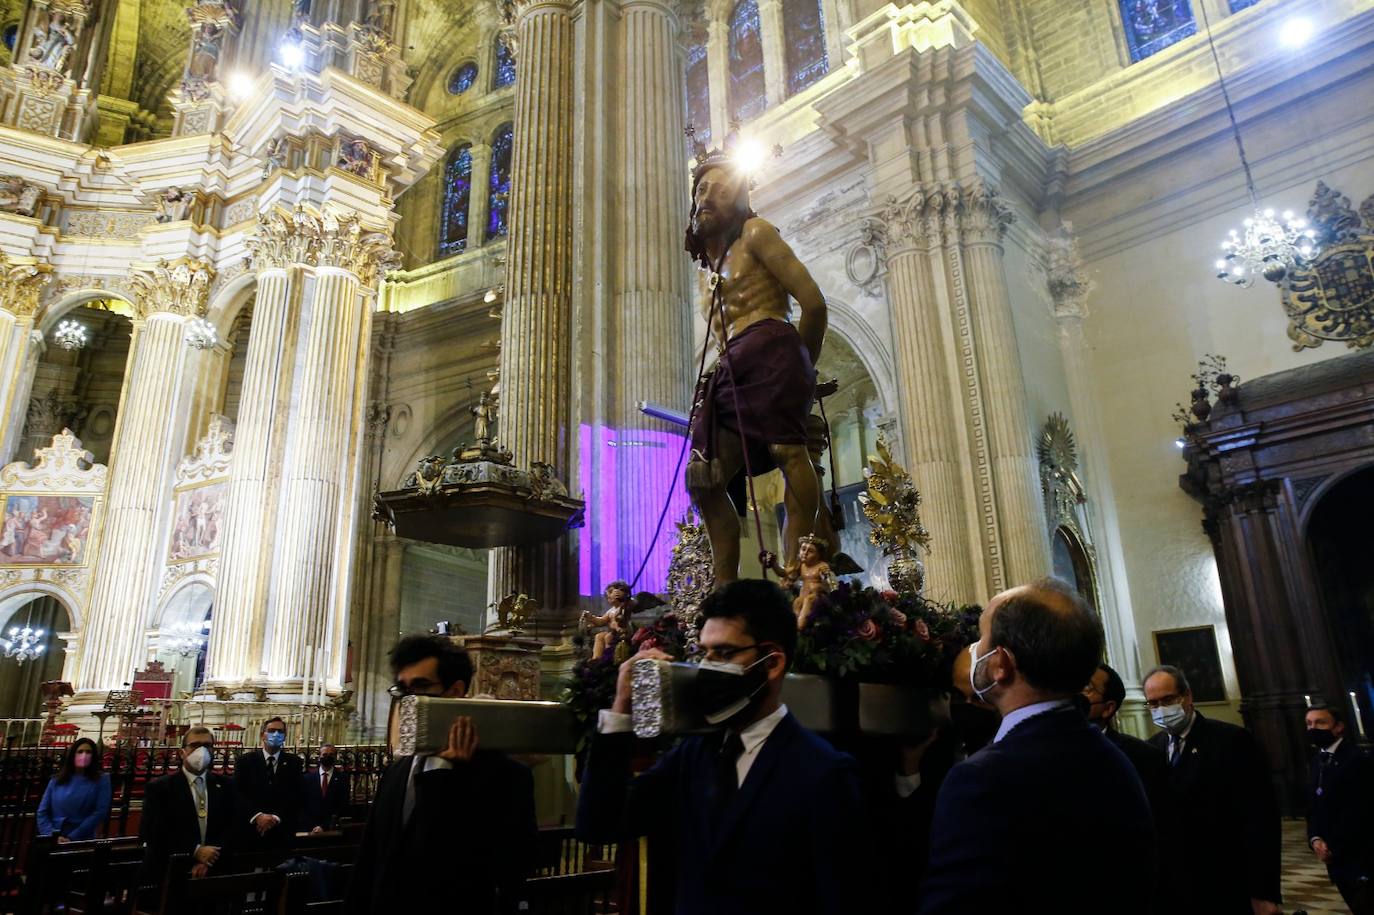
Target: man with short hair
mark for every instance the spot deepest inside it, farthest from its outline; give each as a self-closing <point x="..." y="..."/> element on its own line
<point x="450" y="832"/>
<point x="189" y="811"/>
<point x="324" y="793"/>
<point x="267" y="783"/>
<point x="1340" y="813"/>
<point x="1105" y="693"/>
<point x="762" y="815"/>
<point x="1008" y="818"/>
<point x="1228" y="817"/>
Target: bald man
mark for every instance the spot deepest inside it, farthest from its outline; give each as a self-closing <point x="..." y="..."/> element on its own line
<point x="1011" y="821"/>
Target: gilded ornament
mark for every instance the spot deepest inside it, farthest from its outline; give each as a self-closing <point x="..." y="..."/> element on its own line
<point x="21" y="284"/>
<point x="179" y="287"/>
<point x="892" y="506"/>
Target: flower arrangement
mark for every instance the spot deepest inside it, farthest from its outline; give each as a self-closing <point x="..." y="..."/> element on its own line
<point x="884" y="637"/>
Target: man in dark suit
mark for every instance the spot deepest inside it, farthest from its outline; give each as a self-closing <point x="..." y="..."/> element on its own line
<point x="1009" y="819"/>
<point x="189" y="811"/>
<point x="762" y="816"/>
<point x="1340" y="813"/>
<point x="267" y="784"/>
<point x="1228" y="817"/>
<point x="324" y="793"/>
<point x="1105" y="693"/>
<point x="452" y="832"/>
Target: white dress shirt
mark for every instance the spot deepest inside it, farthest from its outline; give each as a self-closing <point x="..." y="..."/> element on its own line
<point x="1013" y="718"/>
<point x="753" y="736"/>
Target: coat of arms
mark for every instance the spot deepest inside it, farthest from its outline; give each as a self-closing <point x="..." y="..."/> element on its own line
<point x="1331" y="296"/>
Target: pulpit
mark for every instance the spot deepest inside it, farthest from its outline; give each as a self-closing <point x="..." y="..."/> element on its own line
<point x="505" y="665"/>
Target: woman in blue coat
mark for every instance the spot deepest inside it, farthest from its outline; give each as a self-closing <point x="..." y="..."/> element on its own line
<point x="77" y="799"/>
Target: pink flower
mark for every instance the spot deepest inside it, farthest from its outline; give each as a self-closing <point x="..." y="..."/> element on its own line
<point x="922" y="630"/>
<point x="869" y="631"/>
<point x="889" y="596"/>
<point x="898" y="616"/>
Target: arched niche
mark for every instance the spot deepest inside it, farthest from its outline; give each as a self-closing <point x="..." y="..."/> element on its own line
<point x="37" y="607"/>
<point x="186" y="611"/>
<point x="1074" y="562"/>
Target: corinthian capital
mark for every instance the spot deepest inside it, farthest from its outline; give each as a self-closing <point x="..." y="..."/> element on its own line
<point x="983" y="214"/>
<point x="180" y="287"/>
<point x="328" y="239"/>
<point x="21" y="284"/>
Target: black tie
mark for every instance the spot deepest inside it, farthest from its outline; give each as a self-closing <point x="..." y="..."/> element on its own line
<point x="271" y="768"/>
<point x="727" y="778"/>
<point x="1177" y="752"/>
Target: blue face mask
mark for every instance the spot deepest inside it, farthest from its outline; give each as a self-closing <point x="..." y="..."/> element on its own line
<point x="276" y="739"/>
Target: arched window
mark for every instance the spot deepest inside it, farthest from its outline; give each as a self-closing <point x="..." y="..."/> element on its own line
<point x="461" y="80"/>
<point x="699" y="92"/>
<point x="453" y="225"/>
<point x="504" y="74"/>
<point x="747" y="91"/>
<point x="499" y="200"/>
<point x="1153" y="25"/>
<point x="803" y="28"/>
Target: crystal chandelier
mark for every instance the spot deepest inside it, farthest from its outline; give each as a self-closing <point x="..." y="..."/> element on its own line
<point x="1267" y="246"/>
<point x="200" y="334"/>
<point x="187" y="639"/>
<point x="23" y="644"/>
<point x="70" y="335"/>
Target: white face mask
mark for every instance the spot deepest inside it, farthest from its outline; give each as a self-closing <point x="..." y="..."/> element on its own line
<point x="1172" y="718"/>
<point x="197" y="761"/>
<point x="973" y="671"/>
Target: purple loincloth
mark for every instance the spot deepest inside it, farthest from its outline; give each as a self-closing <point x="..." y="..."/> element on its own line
<point x="775" y="383"/>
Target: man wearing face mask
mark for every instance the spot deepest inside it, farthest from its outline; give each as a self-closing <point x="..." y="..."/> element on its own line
<point x="189" y="811"/>
<point x="1105" y="693"/>
<point x="266" y="782"/>
<point x="1008" y="817"/>
<point x="1228" y="817"/>
<point x="1340" y="812"/>
<point x="762" y="815"/>
<point x="324" y="793"/>
<point x="452" y="832"/>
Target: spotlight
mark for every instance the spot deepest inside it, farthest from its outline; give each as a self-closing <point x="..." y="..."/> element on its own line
<point x="750" y="156"/>
<point x="240" y="85"/>
<point x="1296" y="31"/>
<point x="291" y="54"/>
<point x="490" y="296"/>
<point x="1179" y="443"/>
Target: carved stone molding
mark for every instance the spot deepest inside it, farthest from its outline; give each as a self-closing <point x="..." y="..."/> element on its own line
<point x="329" y="239"/>
<point x="179" y="287"/>
<point x="212" y="453"/>
<point x="21" y="285"/>
<point x="1065" y="276"/>
<point x="945" y="214"/>
<point x="866" y="262"/>
<point x="64" y="466"/>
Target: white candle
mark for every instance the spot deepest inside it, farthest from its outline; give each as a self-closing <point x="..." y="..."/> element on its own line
<point x="1359" y="720"/>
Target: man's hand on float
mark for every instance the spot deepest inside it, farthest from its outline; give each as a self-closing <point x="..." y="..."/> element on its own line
<point x="462" y="741"/>
<point x="622" y="682"/>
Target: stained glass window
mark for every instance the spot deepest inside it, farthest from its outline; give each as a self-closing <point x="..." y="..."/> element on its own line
<point x="505" y="65"/>
<point x="747" y="92"/>
<point x="499" y="201"/>
<point x="461" y="80"/>
<point x="1153" y="25"/>
<point x="453" y="226"/>
<point x="804" y="31"/>
<point x="11" y="32"/>
<point x="699" y="93"/>
<point x="1238" y="5"/>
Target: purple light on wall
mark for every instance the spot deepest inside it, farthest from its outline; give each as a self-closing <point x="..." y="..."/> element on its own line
<point x="627" y="475"/>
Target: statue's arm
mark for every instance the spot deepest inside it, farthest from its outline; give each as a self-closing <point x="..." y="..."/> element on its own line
<point x="770" y="250"/>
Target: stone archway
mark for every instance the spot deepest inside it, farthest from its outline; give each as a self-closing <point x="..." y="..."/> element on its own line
<point x="20" y="696"/>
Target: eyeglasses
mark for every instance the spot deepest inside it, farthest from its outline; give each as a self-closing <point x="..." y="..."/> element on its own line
<point x="415" y="688"/>
<point x="727" y="652"/>
<point x="1162" y="701"/>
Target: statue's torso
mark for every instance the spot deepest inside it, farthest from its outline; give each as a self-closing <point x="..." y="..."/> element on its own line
<point x="752" y="293"/>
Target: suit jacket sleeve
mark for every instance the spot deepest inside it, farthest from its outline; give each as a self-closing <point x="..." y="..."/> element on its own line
<point x="1253" y="797"/>
<point x="358" y="899"/>
<point x="250" y="784"/>
<point x="520" y="838"/>
<point x="614" y="805"/>
<point x="963" y="856"/>
<point x="152" y="829"/>
<point x="840" y="833"/>
<point x="1316" y="825"/>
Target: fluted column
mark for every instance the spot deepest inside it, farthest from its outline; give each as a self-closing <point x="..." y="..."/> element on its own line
<point x="235" y="653"/>
<point x="718" y="76"/>
<point x="1019" y="504"/>
<point x="147" y="443"/>
<point x="773" y="36"/>
<point x="934" y="449"/>
<point x="20" y="286"/>
<point x="536" y="322"/>
<point x="649" y="324"/>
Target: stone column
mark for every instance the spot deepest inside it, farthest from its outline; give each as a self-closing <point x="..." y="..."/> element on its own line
<point x="718" y="73"/>
<point x="537" y="318"/>
<point x="148" y="441"/>
<point x="650" y="314"/>
<point x="309" y="609"/>
<point x="235" y="654"/>
<point x="20" y="285"/>
<point x="1019" y="505"/>
<point x="774" y="52"/>
<point x="480" y="201"/>
<point x="934" y="449"/>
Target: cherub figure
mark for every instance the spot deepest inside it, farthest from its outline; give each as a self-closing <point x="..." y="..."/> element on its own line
<point x="811" y="570"/>
<point x="616" y="618"/>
